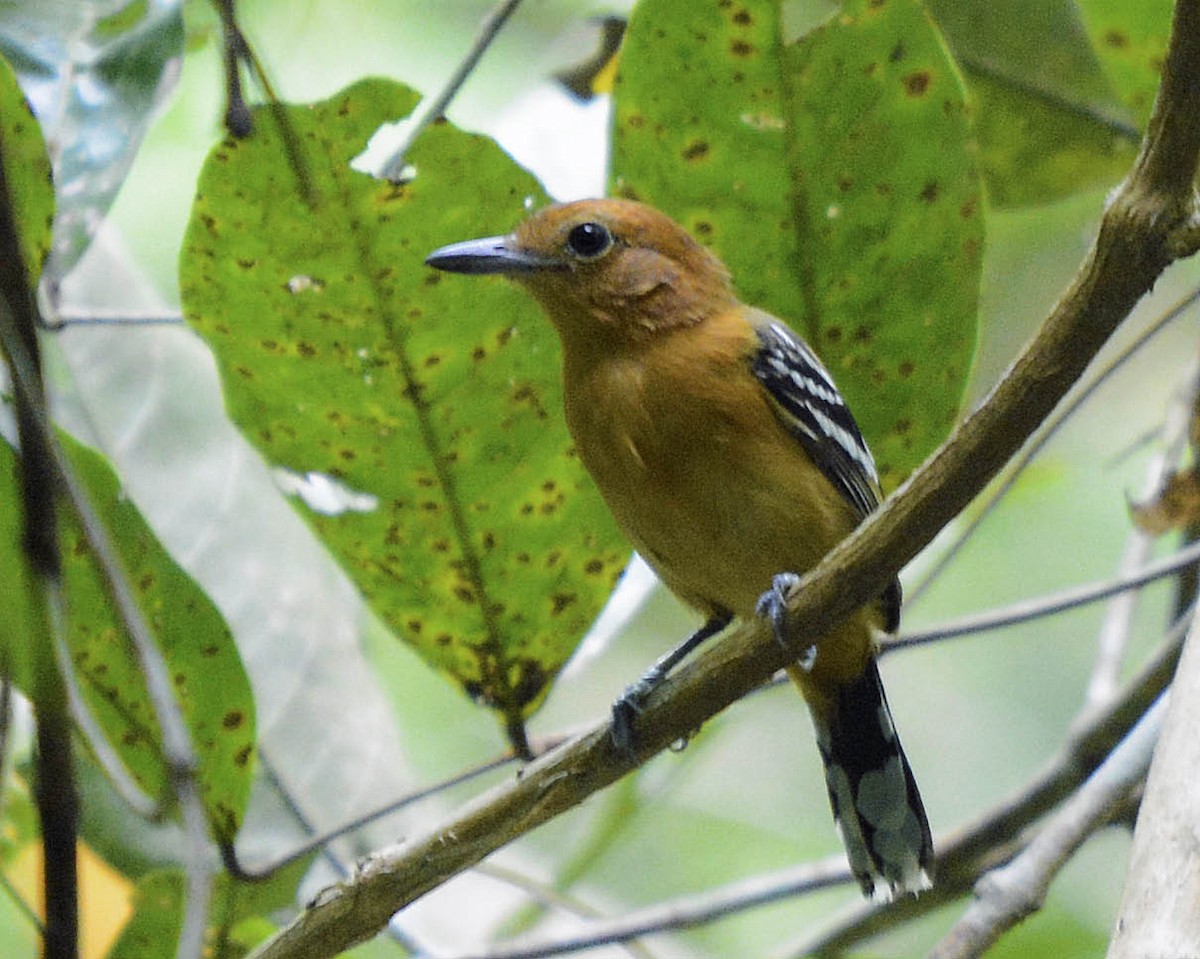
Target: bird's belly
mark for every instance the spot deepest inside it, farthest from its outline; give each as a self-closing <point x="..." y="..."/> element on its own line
<point x="715" y="528"/>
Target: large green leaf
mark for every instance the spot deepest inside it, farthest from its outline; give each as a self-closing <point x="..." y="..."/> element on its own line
<point x="430" y="407"/>
<point x="1046" y="118"/>
<point x="833" y="173"/>
<point x="27" y="167"/>
<point x="210" y="685"/>
<point x="1130" y="41"/>
<point x="96" y="72"/>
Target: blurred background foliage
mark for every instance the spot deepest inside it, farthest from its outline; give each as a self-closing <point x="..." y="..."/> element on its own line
<point x="1056" y="92"/>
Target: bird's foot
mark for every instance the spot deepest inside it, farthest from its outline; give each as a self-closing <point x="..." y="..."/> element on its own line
<point x="626" y="709"/>
<point x="773" y="607"/>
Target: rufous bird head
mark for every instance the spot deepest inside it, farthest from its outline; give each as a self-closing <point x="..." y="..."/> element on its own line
<point x="612" y="269"/>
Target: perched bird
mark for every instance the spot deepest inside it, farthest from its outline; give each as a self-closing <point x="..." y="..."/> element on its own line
<point x="732" y="463"/>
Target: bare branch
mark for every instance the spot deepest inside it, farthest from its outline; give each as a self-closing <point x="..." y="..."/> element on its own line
<point x="393" y="168"/>
<point x="1038" y="441"/>
<point x="1118" y="619"/>
<point x="1158" y="915"/>
<point x="997" y="835"/>
<point x="1025" y="610"/>
<point x="1007" y="895"/>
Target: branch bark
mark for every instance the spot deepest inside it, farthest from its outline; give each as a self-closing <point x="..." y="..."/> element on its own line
<point x="1158" y="915"/>
<point x="1149" y="223"/>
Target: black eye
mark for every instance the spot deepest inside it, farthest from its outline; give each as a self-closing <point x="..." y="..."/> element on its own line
<point x="589" y="240"/>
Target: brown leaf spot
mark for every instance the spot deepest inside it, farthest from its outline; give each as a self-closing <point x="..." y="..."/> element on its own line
<point x="233" y="719"/>
<point x="1116" y="39"/>
<point x="929" y="192"/>
<point x="916" y="83"/>
<point x="561" y="602"/>
<point x="695" y="151"/>
<point x="742" y="17"/>
<point x="465" y="594"/>
<point x="906" y="368"/>
<point x="242" y="756"/>
<point x="740" y="48"/>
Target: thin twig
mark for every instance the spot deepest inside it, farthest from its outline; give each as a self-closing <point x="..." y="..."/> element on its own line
<point x="1043" y="435"/>
<point x="489" y="28"/>
<point x="682" y="913"/>
<point x="1127" y="584"/>
<point x="551" y="898"/>
<point x="101" y="317"/>
<point x="963" y="850"/>
<point x="994" y="837"/>
<point x="261" y="872"/>
<point x="1118" y="618"/>
<point x="1009" y="894"/>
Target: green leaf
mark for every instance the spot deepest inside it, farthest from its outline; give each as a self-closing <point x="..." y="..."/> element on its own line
<point x="96" y="73"/>
<point x="431" y="408"/>
<point x="27" y="167"/>
<point x="1045" y="115"/>
<point x="157" y="919"/>
<point x="210" y="684"/>
<point x="833" y="174"/>
<point x="1130" y="40"/>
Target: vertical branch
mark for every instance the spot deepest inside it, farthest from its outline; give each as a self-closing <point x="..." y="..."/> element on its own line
<point x="1158" y="914"/>
<point x="54" y="787"/>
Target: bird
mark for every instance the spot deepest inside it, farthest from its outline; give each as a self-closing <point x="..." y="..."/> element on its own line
<point x="732" y="463"/>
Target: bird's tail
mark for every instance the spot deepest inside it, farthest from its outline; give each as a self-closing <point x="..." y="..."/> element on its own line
<point x="874" y="796"/>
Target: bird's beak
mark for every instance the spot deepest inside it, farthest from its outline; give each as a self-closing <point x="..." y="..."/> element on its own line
<point x="493" y="254"/>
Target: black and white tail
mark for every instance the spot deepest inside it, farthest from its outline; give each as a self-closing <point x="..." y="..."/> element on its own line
<point x="872" y="790"/>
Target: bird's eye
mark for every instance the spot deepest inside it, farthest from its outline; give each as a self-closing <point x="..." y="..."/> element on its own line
<point x="589" y="240"/>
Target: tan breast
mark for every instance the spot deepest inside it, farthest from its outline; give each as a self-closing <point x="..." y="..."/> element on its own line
<point x="704" y="481"/>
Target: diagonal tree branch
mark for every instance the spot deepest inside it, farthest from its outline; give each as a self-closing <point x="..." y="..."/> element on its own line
<point x="1149" y="223"/>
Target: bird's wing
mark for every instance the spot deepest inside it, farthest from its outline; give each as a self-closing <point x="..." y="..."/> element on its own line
<point x="809" y="405"/>
<point x="805" y="399"/>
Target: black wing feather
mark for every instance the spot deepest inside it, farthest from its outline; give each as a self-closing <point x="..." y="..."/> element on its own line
<point x="812" y="409"/>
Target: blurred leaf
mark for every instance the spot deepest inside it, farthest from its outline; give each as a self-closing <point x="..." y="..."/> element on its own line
<point x="833" y="175"/>
<point x="420" y="419"/>
<point x="20" y="823"/>
<point x="211" y="686"/>
<point x="1037" y="150"/>
<point x="27" y="168"/>
<point x="157" y="917"/>
<point x="1046" y="118"/>
<point x="1130" y="39"/>
<point x="95" y="71"/>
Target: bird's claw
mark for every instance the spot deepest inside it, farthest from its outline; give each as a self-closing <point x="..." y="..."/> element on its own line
<point x="625" y="710"/>
<point x="773" y="607"/>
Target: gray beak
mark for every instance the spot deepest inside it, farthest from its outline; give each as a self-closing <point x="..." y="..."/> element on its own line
<point x="493" y="254"/>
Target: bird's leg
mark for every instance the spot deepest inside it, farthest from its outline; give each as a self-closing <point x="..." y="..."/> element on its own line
<point x="627" y="706"/>
<point x="772" y="606"/>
